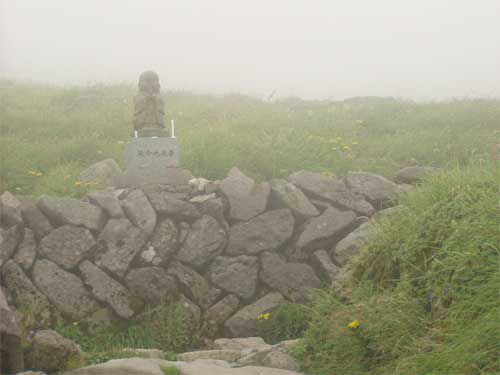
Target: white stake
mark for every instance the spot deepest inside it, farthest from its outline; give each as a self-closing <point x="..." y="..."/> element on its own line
<point x="173" y="128"/>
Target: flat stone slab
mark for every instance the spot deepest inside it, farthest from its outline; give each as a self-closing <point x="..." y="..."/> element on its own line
<point x="142" y="366"/>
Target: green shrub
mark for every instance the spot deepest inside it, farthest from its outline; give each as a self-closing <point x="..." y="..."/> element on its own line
<point x="287" y="322"/>
<point x="171" y="370"/>
<point x="425" y="291"/>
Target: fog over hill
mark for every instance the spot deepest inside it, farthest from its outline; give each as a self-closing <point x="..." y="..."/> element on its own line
<point x="312" y="49"/>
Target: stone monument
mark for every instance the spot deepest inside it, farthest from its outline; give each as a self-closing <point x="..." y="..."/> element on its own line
<point x="152" y="156"/>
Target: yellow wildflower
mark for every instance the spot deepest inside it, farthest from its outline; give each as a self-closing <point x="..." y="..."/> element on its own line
<point x="264" y="316"/>
<point x="353" y="325"/>
<point x="345" y="147"/>
<point x="78" y="183"/>
<point x="35" y="173"/>
<point x="75" y="323"/>
<point x="328" y="174"/>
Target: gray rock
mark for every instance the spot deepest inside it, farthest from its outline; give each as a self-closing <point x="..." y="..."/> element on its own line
<point x="332" y="190"/>
<point x="67" y="246"/>
<point x="35" y="219"/>
<point x="274" y="357"/>
<point x="26" y="252"/>
<point x="165" y="203"/>
<point x="165" y="240"/>
<point x="102" y="174"/>
<point x="244" y="322"/>
<point x="324" y="266"/>
<point x="72" y="211"/>
<point x="295" y="281"/>
<point x="247" y="344"/>
<point x="119" y="243"/>
<point x="352" y="243"/>
<point x="268" y="231"/>
<point x="10" y="210"/>
<point x="285" y="194"/>
<point x="152" y="284"/>
<point x="108" y="201"/>
<point x="184" y="229"/>
<point x="212" y="207"/>
<point x="11" y="348"/>
<point x="191" y="309"/>
<point x="412" y="175"/>
<point x="319" y="232"/>
<point x="192" y="284"/>
<point x="25" y="296"/>
<point x="246" y="198"/>
<point x="216" y="315"/>
<point x="202" y="198"/>
<point x="204" y="242"/>
<point x="65" y="290"/>
<point x="9" y="240"/>
<point x="107" y="290"/>
<point x="236" y="275"/>
<point x="139" y="211"/>
<point x="378" y="190"/>
<point x="221" y="355"/>
<point x="50" y="351"/>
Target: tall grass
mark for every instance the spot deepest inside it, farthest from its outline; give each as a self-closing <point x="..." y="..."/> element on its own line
<point x="58" y="131"/>
<point x="425" y="291"/>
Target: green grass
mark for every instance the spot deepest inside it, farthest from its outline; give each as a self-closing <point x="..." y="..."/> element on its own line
<point x="425" y="291"/>
<point x="58" y="131"/>
<point x="171" y="370"/>
<point x="166" y="327"/>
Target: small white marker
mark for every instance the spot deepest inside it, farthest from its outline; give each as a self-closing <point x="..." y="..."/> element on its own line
<point x="135" y="133"/>
<point x="172" y="126"/>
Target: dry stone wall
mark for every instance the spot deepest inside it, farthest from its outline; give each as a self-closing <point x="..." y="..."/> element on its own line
<point x="230" y="249"/>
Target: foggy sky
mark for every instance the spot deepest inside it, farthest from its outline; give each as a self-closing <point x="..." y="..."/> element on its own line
<point x="308" y="48"/>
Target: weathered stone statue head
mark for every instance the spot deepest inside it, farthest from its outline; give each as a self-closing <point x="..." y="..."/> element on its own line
<point x="149" y="107"/>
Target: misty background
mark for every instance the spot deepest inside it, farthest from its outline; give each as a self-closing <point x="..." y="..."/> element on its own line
<point x="426" y="49"/>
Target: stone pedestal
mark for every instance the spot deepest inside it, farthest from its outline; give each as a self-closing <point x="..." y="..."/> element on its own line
<point x="153" y="161"/>
<point x="152" y="153"/>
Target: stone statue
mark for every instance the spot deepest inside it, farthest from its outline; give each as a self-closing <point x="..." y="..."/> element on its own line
<point x="149" y="107"/>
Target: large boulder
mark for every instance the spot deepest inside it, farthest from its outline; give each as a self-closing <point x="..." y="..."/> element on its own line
<point x="107" y="290"/>
<point x="108" y="201"/>
<point x="119" y="243"/>
<point x="216" y="315"/>
<point x="65" y="290"/>
<point x="205" y="241"/>
<point x="352" y="243"/>
<point x="331" y="189"/>
<point x="285" y="194"/>
<point x="246" y="198"/>
<point x="378" y="190"/>
<point x="192" y="284"/>
<point x="67" y="246"/>
<point x="35" y="219"/>
<point x="101" y="174"/>
<point x="72" y="211"/>
<point x="236" y="275"/>
<point x="139" y="211"/>
<point x="11" y="349"/>
<point x="26" y="252"/>
<point x="49" y="351"/>
<point x="412" y="175"/>
<point x="9" y="240"/>
<point x="244" y="322"/>
<point x="213" y="207"/>
<point x="165" y="203"/>
<point x="265" y="232"/>
<point x="295" y="281"/>
<point x="152" y="284"/>
<point x="10" y="210"/>
<point x="25" y="296"/>
<point x="319" y="232"/>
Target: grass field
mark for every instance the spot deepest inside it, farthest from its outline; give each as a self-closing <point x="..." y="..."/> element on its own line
<point x="50" y="134"/>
